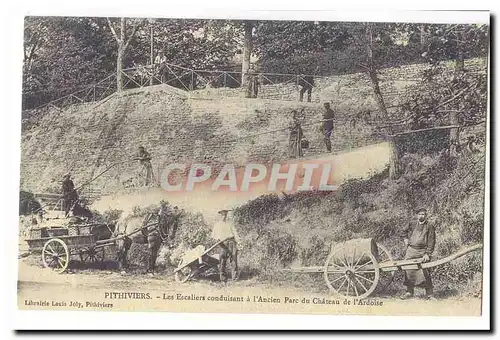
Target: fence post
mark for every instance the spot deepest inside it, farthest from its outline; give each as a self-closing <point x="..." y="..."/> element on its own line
<point x="297" y="87"/>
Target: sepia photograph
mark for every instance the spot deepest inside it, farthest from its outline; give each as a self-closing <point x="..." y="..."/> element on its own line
<point x="206" y="165"/>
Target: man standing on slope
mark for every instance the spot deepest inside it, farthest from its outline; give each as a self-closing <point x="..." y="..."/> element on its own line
<point x="295" y="137"/>
<point x="420" y="239"/>
<point x="224" y="231"/>
<point x="145" y="160"/>
<point x="328" y="116"/>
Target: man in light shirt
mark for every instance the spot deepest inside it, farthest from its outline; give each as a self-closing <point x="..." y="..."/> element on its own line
<point x="224" y="231"/>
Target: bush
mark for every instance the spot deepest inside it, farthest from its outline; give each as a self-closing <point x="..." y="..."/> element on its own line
<point x="28" y="204"/>
<point x="193" y="231"/>
<point x="111" y="216"/>
<point x="299" y="228"/>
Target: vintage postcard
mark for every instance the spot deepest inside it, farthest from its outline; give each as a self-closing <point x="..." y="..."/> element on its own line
<point x="191" y="165"/>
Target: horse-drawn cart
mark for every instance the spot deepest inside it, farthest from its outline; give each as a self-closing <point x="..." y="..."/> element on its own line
<point x="59" y="239"/>
<point x="357" y="267"/>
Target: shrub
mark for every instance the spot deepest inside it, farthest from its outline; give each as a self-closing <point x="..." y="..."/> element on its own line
<point x="193" y="231"/>
<point x="28" y="204"/>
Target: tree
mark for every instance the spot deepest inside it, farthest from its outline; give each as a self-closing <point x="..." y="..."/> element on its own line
<point x="456" y="42"/>
<point x="123" y="41"/>
<point x="247" y="51"/>
<point x="372" y="70"/>
<point x="300" y="46"/>
<point x="63" y="55"/>
<point x="189" y="43"/>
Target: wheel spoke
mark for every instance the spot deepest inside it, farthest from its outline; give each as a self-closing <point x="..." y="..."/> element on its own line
<point x="51" y="249"/>
<point x="50" y="253"/>
<point x="342" y="284"/>
<point x="338" y="278"/>
<point x="353" y="256"/>
<point x="359" y="260"/>
<point x="348" y="284"/>
<point x="346" y="260"/>
<point x="345" y="265"/>
<point x="363" y="265"/>
<point x="58" y="247"/>
<point x="364" y="278"/>
<point x="336" y="265"/>
<point x="355" y="288"/>
<point x="362" y="285"/>
<point x="61" y="264"/>
<point x="52" y="261"/>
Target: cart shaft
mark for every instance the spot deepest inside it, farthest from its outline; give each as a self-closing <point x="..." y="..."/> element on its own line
<point x="390" y="266"/>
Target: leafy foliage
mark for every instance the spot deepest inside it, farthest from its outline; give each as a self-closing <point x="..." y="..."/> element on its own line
<point x="64" y="54"/>
<point x="28" y="204"/>
<point x="430" y="102"/>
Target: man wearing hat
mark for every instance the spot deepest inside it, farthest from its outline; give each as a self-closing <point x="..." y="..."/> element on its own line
<point x="69" y="194"/>
<point x="295" y="137"/>
<point x="328" y="117"/>
<point x="224" y="231"/>
<point x="420" y="239"/>
<point x="145" y="159"/>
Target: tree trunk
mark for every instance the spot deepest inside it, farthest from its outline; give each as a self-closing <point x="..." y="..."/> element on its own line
<point x="119" y="57"/>
<point x="459" y="61"/>
<point x="372" y="72"/>
<point x="247" y="52"/>
<point x="119" y="67"/>
<point x="378" y="93"/>
<point x="152" y="70"/>
<point x="122" y="47"/>
<point x="394" y="168"/>
<point x="423" y="37"/>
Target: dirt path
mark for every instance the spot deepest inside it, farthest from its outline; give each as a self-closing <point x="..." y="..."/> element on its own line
<point x="103" y="290"/>
<point x="358" y="163"/>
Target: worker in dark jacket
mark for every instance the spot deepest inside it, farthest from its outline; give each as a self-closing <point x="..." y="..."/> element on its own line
<point x="306" y="84"/>
<point x="328" y="116"/>
<point x="145" y="160"/>
<point x="69" y="194"/>
<point x="420" y="240"/>
<point x="253" y="85"/>
<point x="295" y="138"/>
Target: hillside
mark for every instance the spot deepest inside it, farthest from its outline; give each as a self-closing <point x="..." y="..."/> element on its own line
<point x="212" y="126"/>
<point x="299" y="229"/>
<point x="88" y="139"/>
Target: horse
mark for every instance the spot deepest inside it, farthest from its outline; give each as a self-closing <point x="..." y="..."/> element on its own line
<point x="145" y="231"/>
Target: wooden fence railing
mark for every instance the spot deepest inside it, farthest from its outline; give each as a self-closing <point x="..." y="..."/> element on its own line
<point x="177" y="76"/>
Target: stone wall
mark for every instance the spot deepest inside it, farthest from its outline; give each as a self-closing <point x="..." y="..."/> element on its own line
<point x="173" y="127"/>
<point x="210" y="126"/>
<point x="344" y="90"/>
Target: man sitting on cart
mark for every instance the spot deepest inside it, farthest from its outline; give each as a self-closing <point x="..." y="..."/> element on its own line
<point x="420" y="240"/>
<point x="224" y="232"/>
<point x="69" y="194"/>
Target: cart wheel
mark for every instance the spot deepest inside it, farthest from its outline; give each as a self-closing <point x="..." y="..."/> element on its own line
<point x="386" y="277"/>
<point x="185" y="274"/>
<point x="354" y="275"/>
<point x="92" y="255"/>
<point x="55" y="255"/>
